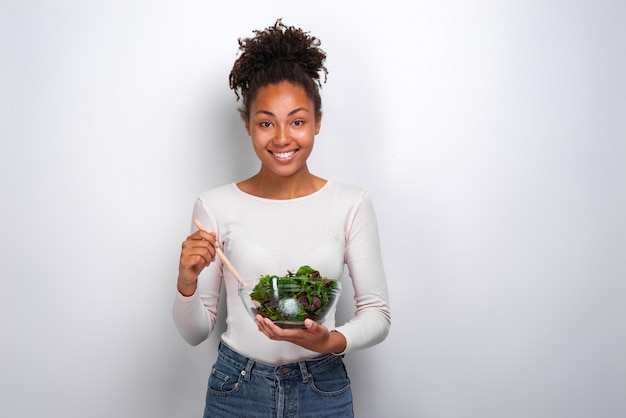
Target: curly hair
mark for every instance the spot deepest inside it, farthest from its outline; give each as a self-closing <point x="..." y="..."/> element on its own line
<point x="278" y="53"/>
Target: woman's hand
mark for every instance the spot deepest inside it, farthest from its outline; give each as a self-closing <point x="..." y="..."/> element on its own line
<point x="197" y="253"/>
<point x="314" y="337"/>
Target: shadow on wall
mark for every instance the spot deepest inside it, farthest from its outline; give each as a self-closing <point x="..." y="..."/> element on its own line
<point x="219" y="135"/>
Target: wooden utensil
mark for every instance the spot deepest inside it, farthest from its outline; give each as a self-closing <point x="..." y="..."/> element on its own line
<point x="222" y="257"/>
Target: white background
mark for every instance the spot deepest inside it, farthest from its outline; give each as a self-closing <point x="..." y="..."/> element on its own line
<point x="491" y="134"/>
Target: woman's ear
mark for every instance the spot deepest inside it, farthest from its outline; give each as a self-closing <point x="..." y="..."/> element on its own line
<point x="246" y="123"/>
<point x="318" y="125"/>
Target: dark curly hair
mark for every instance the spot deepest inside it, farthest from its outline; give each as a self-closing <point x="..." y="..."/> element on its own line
<point x="278" y="53"/>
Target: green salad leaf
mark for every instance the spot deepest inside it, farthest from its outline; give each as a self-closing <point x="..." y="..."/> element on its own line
<point x="295" y="296"/>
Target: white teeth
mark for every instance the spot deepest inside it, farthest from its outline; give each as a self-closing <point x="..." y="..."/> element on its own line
<point x="284" y="154"/>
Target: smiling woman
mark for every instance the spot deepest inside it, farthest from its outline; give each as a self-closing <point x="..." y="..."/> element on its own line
<point x="282" y="126"/>
<point x="280" y="218"/>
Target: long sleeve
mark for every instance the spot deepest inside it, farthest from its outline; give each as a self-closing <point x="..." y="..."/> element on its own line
<point x="372" y="320"/>
<point x="195" y="315"/>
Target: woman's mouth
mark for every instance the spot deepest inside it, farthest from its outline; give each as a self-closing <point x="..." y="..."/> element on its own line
<point x="283" y="155"/>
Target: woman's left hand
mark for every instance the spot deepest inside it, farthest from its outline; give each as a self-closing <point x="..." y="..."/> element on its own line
<point x="314" y="337"/>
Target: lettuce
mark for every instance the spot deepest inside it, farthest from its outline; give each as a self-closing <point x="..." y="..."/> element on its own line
<point x="295" y="296"/>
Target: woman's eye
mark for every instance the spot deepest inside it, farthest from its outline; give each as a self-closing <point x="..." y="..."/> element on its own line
<point x="266" y="124"/>
<point x="298" y="122"/>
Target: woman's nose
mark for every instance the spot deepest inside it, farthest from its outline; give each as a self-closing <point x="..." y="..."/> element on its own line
<point x="282" y="136"/>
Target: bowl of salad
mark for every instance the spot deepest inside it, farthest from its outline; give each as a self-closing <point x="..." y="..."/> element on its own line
<point x="290" y="299"/>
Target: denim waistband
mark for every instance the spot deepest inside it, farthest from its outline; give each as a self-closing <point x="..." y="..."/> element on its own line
<point x="303" y="368"/>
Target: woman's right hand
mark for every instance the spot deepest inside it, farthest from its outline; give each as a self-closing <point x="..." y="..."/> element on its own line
<point x="197" y="253"/>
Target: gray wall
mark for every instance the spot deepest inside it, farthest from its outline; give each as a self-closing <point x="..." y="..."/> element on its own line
<point x="491" y="134"/>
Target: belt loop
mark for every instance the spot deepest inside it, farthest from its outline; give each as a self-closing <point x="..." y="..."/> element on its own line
<point x="304" y="371"/>
<point x="247" y="373"/>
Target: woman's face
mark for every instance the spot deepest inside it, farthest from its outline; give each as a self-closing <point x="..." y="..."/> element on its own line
<point x="282" y="126"/>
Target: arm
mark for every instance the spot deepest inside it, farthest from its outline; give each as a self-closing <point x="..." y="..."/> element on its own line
<point x="363" y="257"/>
<point x="199" y="281"/>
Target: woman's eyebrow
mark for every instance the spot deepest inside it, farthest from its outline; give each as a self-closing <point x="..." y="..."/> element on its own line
<point x="268" y="113"/>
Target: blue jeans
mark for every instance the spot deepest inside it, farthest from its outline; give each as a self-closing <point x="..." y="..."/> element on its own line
<point x="241" y="387"/>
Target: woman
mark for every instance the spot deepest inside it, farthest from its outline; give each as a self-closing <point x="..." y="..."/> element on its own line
<point x="279" y="219"/>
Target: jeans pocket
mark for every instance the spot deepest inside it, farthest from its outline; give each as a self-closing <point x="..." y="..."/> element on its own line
<point x="224" y="380"/>
<point x="330" y="381"/>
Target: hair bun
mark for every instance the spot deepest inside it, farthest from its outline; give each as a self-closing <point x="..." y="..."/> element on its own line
<point x="277" y="46"/>
<point x="278" y="53"/>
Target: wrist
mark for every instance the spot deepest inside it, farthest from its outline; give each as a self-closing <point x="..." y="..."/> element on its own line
<point x="338" y="342"/>
<point x="187" y="289"/>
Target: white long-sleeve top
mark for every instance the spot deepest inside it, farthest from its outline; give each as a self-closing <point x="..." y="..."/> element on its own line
<point x="327" y="230"/>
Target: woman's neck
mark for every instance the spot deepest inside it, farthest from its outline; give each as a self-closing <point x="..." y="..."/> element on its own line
<point x="269" y="186"/>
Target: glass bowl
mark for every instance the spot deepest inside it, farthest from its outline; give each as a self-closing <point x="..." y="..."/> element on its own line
<point x="288" y="301"/>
